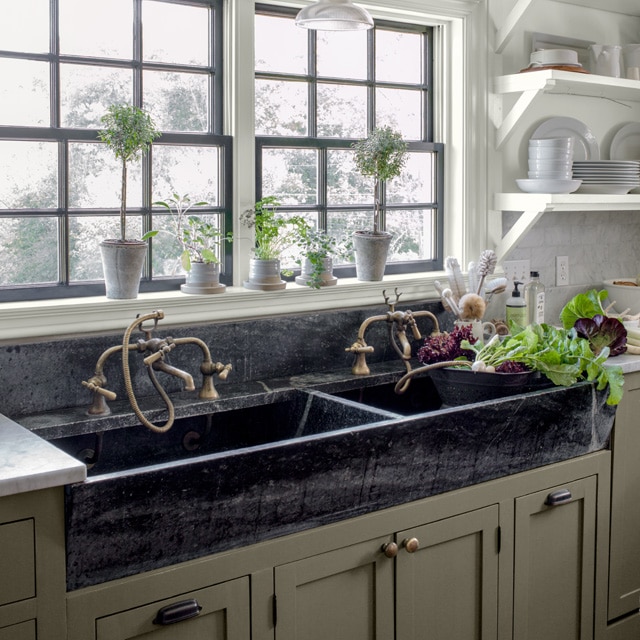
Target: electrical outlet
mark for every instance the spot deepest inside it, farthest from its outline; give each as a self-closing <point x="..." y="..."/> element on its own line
<point x="516" y="270"/>
<point x="562" y="271"/>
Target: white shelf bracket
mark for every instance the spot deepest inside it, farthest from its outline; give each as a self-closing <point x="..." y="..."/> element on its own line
<point x="504" y="33"/>
<point x="510" y="120"/>
<point x="518" y="230"/>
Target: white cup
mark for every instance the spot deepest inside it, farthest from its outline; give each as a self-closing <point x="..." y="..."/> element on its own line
<point x="605" y="59"/>
<point x="480" y="330"/>
<point x="633" y="73"/>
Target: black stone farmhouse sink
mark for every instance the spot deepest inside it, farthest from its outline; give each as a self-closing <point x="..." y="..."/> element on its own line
<point x="297" y="461"/>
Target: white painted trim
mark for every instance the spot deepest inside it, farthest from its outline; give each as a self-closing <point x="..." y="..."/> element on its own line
<point x="22" y="320"/>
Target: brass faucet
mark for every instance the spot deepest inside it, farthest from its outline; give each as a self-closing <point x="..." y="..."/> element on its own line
<point x="399" y="322"/>
<point x="157" y="349"/>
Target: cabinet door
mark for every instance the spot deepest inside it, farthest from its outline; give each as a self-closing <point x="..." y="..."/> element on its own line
<point x="346" y="594"/>
<point x="624" y="568"/>
<point x="224" y="615"/>
<point x="23" y="631"/>
<point x="554" y="564"/>
<point x="448" y="588"/>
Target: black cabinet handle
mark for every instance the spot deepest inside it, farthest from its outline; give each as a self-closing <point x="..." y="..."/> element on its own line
<point x="556" y="498"/>
<point x="177" y="612"/>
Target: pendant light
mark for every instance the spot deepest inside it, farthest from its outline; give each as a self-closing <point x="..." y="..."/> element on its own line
<point x="334" y="15"/>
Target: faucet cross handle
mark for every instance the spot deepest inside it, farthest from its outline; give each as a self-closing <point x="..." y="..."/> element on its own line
<point x="391" y="305"/>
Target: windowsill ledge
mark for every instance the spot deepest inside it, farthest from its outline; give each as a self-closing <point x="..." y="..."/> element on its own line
<point x="73" y="316"/>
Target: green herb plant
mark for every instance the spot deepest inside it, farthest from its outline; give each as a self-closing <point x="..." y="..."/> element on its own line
<point x="381" y="155"/>
<point x="274" y="233"/>
<point x="128" y="131"/>
<point x="316" y="247"/>
<point x="198" y="238"/>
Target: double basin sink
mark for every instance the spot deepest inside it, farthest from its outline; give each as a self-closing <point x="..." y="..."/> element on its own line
<point x="231" y="474"/>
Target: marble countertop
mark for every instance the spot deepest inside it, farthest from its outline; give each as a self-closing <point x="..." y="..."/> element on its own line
<point x="29" y="463"/>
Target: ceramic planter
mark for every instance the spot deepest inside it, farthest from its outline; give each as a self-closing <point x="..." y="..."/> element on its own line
<point x="326" y="278"/>
<point x="122" y="266"/>
<point x="203" y="278"/>
<point x="264" y="275"/>
<point x="371" y="254"/>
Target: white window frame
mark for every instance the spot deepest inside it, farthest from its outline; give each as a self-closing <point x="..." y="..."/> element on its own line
<point x="461" y="53"/>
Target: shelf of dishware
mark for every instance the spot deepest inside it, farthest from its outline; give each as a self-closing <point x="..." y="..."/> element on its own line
<point x="532" y="84"/>
<point x="533" y="205"/>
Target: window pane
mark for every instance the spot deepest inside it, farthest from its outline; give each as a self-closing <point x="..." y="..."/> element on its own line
<point x="95" y="28"/>
<point x="344" y="184"/>
<point x="281" y="108"/>
<point x="271" y="33"/>
<point x="398" y="56"/>
<point x="291" y="175"/>
<point x="186" y="170"/>
<point x="29" y="173"/>
<point x="24" y="93"/>
<point x="177" y="101"/>
<point x="415" y="183"/>
<point x="401" y="110"/>
<point x="342" y="111"/>
<point x="86" y="233"/>
<point x="413" y="235"/>
<point x="86" y="92"/>
<point x="95" y="178"/>
<point x="342" y="54"/>
<point x="175" y="33"/>
<point x="25" y="27"/>
<point x="342" y="224"/>
<point x="29" y="250"/>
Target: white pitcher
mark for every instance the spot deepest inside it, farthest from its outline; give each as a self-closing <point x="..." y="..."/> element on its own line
<point x="605" y="59"/>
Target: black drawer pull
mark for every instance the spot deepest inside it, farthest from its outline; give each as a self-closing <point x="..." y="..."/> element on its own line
<point x="556" y="498"/>
<point x="178" y="612"/>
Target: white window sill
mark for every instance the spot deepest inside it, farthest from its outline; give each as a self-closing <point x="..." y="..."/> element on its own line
<point x="73" y="316"/>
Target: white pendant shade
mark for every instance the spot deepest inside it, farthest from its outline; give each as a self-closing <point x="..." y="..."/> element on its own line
<point x="334" y="15"/>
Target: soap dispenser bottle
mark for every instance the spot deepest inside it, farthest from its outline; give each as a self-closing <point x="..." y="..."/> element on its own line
<point x="516" y="307"/>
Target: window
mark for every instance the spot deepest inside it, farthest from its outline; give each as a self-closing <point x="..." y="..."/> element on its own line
<point x="62" y="63"/>
<point x="321" y="93"/>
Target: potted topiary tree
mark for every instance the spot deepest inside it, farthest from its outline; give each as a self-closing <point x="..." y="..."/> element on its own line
<point x="199" y="241"/>
<point x="316" y="264"/>
<point x="381" y="155"/>
<point x="128" y="131"/>
<point x="273" y="235"/>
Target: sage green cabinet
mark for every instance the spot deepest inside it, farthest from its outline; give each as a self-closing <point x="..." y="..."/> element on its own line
<point x="554" y="566"/>
<point x="32" y="566"/>
<point x="624" y="556"/>
<point x="448" y="588"/>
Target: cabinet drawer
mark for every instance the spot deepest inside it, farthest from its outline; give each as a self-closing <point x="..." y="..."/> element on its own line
<point x="224" y="615"/>
<point x="23" y="631"/>
<point x="17" y="561"/>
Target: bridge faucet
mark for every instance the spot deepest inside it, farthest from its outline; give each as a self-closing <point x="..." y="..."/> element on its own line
<point x="157" y="349"/>
<point x="399" y="322"/>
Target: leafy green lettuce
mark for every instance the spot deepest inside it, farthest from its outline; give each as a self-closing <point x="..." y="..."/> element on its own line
<point x="559" y="354"/>
<point x="584" y="305"/>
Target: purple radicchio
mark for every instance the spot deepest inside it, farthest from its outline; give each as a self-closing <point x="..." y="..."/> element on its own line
<point x="602" y="331"/>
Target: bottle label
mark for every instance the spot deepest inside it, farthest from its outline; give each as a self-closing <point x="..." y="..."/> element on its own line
<point x="539" y="312"/>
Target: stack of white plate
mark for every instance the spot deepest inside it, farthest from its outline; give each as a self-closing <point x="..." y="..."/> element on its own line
<point x="550" y="166"/>
<point x="607" y="176"/>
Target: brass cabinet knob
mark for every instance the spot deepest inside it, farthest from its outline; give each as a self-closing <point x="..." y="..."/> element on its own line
<point x="411" y="544"/>
<point x="390" y="549"/>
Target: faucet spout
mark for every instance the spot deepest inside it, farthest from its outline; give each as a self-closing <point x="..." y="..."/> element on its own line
<point x="178" y="373"/>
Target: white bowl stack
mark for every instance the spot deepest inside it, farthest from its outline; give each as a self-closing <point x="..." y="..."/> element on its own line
<point x="550" y="166"/>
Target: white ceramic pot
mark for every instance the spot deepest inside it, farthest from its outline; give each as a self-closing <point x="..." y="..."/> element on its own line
<point x="264" y="275"/>
<point x="203" y="278"/>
